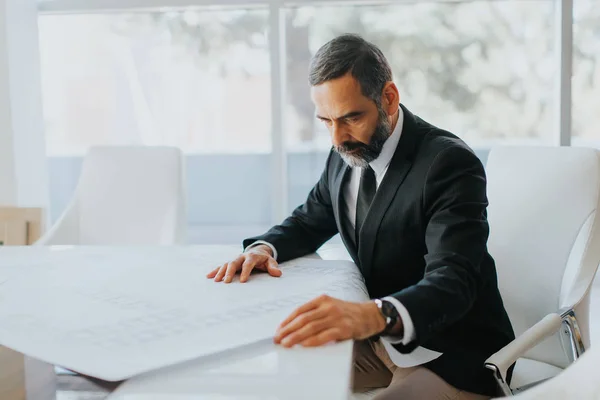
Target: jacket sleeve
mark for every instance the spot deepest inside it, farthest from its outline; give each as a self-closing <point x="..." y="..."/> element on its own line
<point x="454" y="205"/>
<point x="309" y="226"/>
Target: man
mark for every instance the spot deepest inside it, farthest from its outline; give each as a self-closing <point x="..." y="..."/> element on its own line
<point x="409" y="201"/>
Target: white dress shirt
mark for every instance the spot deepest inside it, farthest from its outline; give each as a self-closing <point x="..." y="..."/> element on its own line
<point x="350" y="192"/>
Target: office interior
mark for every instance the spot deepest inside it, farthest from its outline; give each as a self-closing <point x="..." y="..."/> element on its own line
<point x="219" y="88"/>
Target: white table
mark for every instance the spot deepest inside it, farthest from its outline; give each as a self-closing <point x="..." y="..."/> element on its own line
<point x="259" y="371"/>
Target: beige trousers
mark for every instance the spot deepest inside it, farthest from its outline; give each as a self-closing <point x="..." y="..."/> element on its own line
<point x="373" y="369"/>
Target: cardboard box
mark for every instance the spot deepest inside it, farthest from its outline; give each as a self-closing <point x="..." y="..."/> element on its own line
<point x="24" y="378"/>
<point x="12" y="375"/>
<point x="13" y="220"/>
<point x="13" y="233"/>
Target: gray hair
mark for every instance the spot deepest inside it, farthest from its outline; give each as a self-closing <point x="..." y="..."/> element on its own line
<point x="351" y="53"/>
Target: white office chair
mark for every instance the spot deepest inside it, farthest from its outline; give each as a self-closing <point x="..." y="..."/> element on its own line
<point x="545" y="238"/>
<point x="125" y="196"/>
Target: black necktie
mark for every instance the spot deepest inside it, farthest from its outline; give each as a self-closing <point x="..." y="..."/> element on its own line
<point x="366" y="193"/>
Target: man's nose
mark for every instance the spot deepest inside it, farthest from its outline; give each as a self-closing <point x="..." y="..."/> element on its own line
<point x="338" y="134"/>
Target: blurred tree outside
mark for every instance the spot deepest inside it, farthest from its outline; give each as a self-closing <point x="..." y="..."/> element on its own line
<point x="482" y="69"/>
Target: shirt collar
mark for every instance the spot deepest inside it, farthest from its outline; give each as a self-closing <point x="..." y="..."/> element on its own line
<point x="380" y="164"/>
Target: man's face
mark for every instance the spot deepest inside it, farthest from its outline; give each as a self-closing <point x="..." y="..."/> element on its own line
<point x="357" y="126"/>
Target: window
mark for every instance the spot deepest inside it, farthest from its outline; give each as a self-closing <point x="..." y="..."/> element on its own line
<point x="198" y="79"/>
<point x="586" y="73"/>
<point x="481" y="69"/>
<point x="194" y="78"/>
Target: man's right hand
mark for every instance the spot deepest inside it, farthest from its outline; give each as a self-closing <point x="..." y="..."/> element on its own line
<point x="259" y="258"/>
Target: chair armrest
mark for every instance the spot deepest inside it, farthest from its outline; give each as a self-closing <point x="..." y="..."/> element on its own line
<point x="505" y="357"/>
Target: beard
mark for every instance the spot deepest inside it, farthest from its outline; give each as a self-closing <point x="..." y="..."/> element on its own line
<point x="357" y="154"/>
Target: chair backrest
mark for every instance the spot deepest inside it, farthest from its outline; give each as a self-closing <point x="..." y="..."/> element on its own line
<point x="544" y="234"/>
<point x="131" y="195"/>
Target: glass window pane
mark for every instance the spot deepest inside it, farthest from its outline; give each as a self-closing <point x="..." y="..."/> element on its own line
<point x="586" y="73"/>
<point x="483" y="70"/>
<point x="191" y="79"/>
<point x="197" y="79"/>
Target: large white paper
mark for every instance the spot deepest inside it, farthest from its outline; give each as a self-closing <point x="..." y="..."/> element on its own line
<point x="113" y="313"/>
<point x="254" y="372"/>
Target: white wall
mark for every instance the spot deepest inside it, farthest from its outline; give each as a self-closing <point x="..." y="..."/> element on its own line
<point x="23" y="165"/>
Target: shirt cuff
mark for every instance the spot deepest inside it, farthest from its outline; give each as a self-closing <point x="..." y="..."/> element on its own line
<point x="409" y="328"/>
<point x="266" y="244"/>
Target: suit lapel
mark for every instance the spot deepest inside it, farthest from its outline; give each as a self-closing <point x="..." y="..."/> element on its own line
<point x="395" y="175"/>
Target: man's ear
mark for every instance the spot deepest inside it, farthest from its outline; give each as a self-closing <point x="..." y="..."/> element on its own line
<point x="391" y="98"/>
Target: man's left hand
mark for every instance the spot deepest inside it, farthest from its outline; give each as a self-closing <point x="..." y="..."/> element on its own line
<point x="326" y="319"/>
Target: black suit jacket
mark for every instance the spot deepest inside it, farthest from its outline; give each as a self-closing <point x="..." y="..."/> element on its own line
<point x="424" y="241"/>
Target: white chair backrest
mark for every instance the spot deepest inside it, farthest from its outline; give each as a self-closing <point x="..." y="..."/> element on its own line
<point x="131" y="195"/>
<point x="544" y="234"/>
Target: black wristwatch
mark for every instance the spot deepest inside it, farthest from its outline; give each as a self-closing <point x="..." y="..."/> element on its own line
<point x="390" y="313"/>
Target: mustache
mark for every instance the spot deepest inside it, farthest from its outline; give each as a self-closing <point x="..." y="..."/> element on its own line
<point x="350" y="146"/>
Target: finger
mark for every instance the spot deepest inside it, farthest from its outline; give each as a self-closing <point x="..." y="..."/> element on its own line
<point x="311" y="305"/>
<point x="213" y="273"/>
<point x="221" y="273"/>
<point x="324" y="337"/>
<point x="272" y="268"/>
<point x="247" y="268"/>
<point x="232" y="268"/>
<point x="299" y="322"/>
<point x="309" y="330"/>
<point x="264" y="266"/>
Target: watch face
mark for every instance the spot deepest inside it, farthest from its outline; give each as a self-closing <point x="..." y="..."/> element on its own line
<point x="388" y="309"/>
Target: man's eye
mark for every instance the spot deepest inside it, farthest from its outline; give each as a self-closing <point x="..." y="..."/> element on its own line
<point x="352" y="120"/>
